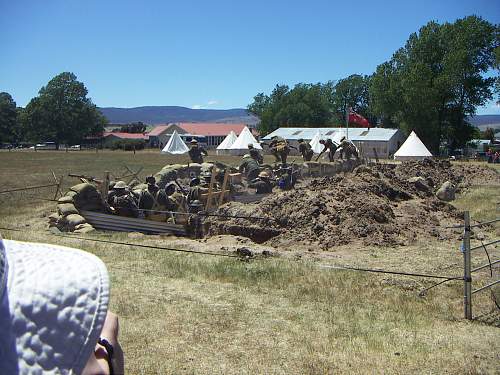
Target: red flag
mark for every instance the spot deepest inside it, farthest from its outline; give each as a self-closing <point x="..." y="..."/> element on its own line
<point x="359" y="120"/>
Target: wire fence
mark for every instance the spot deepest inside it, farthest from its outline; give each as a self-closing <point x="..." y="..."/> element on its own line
<point x="466" y="249"/>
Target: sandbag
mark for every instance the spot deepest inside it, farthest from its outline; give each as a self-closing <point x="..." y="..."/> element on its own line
<point x="54" y="218"/>
<point x="71" y="194"/>
<point x="84" y="228"/>
<point x="446" y="192"/>
<point x="83" y="188"/>
<point x="141" y="187"/>
<point x="73" y="220"/>
<point x="65" y="199"/>
<point x="65" y="209"/>
<point x="173" y="166"/>
<point x="165" y="176"/>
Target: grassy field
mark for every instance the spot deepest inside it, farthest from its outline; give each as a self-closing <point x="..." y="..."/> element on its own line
<point x="193" y="314"/>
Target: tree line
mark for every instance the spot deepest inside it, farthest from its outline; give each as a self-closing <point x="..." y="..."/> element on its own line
<point x="61" y="113"/>
<point x="432" y="85"/>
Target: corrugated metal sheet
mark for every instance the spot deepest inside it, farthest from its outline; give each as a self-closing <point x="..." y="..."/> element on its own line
<point x="355" y="134"/>
<point x="128" y="224"/>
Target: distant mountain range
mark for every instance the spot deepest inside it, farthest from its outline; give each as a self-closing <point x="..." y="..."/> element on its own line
<point x="154" y="115"/>
<point x="485" y="121"/>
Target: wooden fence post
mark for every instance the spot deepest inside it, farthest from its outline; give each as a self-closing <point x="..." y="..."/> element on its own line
<point x="105" y="186"/>
<point x="467" y="268"/>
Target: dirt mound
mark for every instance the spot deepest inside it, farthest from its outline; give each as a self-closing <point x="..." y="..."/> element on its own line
<point x="380" y="205"/>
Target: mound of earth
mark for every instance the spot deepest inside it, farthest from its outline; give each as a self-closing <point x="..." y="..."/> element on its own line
<point x="380" y="205"/>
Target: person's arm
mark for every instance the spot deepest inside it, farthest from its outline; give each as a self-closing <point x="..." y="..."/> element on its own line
<point x="204" y="152"/>
<point x="101" y="360"/>
<point x="322" y="152"/>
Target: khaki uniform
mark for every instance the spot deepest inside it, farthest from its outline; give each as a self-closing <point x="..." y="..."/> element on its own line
<point x="306" y="151"/>
<point x="349" y="149"/>
<point x="262" y="186"/>
<point x="250" y="167"/>
<point x="125" y="205"/>
<point x="331" y="147"/>
<point x="256" y="155"/>
<point x="280" y="150"/>
<point x="196" y="154"/>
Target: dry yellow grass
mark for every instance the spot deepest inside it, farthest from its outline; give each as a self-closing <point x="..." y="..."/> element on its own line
<point x="193" y="314"/>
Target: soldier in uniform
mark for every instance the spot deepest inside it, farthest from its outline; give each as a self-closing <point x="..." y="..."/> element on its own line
<point x="151" y="200"/>
<point x="196" y="153"/>
<point x="255" y="154"/>
<point x="194" y="223"/>
<point x="262" y="184"/>
<point x="279" y="148"/>
<point x="206" y="177"/>
<point x="330" y="146"/>
<point x="123" y="202"/>
<point x="347" y="148"/>
<point x="305" y="150"/>
<point x="250" y="167"/>
<point x="195" y="190"/>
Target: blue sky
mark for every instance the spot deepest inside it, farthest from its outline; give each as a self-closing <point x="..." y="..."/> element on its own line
<point x="206" y="54"/>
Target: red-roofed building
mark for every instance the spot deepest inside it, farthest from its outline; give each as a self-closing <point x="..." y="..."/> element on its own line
<point x="210" y="134"/>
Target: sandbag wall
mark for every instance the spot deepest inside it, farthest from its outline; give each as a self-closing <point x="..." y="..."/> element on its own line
<point x="81" y="197"/>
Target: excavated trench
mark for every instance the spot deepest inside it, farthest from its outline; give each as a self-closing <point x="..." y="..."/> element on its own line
<point x="380" y="205"/>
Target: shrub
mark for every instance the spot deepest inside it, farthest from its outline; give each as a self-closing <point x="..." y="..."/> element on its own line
<point x="128" y="144"/>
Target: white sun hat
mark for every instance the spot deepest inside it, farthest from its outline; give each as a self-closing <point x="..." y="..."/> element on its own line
<point x="53" y="304"/>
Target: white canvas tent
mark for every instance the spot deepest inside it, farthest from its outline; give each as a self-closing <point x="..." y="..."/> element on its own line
<point x="412" y="149"/>
<point x="240" y="146"/>
<point x="175" y="145"/>
<point x="226" y="144"/>
<point x="315" y="145"/>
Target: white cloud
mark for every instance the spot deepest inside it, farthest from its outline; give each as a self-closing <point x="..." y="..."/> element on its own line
<point x="205" y="106"/>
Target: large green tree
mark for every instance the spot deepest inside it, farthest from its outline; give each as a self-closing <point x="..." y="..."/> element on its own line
<point x="62" y="112"/>
<point x="8" y="118"/>
<point x="304" y="105"/>
<point x="351" y="92"/>
<point x="437" y="80"/>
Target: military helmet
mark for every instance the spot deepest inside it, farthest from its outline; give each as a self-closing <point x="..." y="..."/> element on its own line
<point x="322" y="141"/>
<point x="120" y="185"/>
<point x="194" y="181"/>
<point x="206" y="175"/>
<point x="150" y="180"/>
<point x="250" y="145"/>
<point x="196" y="203"/>
<point x="264" y="174"/>
<point x="170" y="187"/>
<point x="300" y="140"/>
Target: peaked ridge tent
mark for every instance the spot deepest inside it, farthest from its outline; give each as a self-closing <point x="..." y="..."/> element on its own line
<point x="175" y="145"/>
<point x="227" y="143"/>
<point x="412" y="149"/>
<point x="240" y="146"/>
<point x="315" y="145"/>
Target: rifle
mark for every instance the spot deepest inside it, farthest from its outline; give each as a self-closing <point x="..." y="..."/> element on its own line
<point x="88" y="178"/>
<point x="180" y="187"/>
